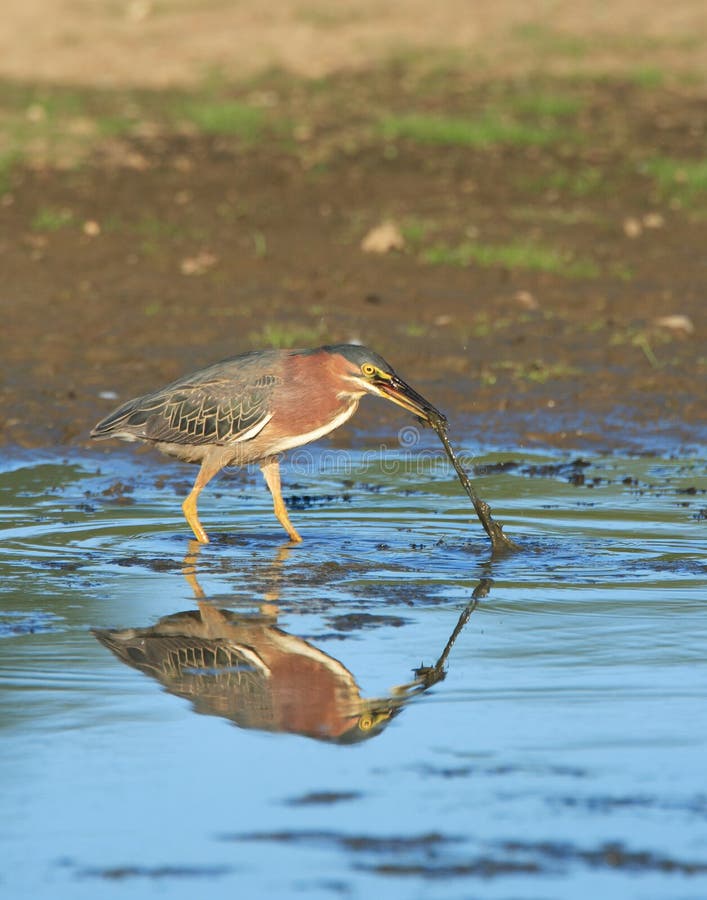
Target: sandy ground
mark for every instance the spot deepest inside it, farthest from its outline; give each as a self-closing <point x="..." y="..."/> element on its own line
<point x="167" y="42"/>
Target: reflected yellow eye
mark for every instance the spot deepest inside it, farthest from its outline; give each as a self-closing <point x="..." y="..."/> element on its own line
<point x="368" y="370"/>
<point x="365" y="723"/>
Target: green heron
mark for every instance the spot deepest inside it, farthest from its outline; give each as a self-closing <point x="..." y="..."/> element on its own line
<point x="255" y="406"/>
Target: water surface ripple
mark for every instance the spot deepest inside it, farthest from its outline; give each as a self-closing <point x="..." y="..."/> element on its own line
<point x="381" y="711"/>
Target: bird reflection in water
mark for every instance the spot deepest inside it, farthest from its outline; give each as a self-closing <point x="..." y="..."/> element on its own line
<point x="244" y="668"/>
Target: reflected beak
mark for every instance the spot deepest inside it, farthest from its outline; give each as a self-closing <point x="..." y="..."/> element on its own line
<point x="399" y="392"/>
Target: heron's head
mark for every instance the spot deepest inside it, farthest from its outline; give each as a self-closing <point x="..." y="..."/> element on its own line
<point x="364" y="372"/>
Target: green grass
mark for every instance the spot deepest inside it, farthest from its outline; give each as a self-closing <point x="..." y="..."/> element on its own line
<point x="583" y="182"/>
<point x="8" y="161"/>
<point x="548" y="42"/>
<point x="286" y="335"/>
<point x="414" y="231"/>
<point x="47" y="103"/>
<point x="51" y="123"/>
<point x="413" y="329"/>
<point x="114" y="125"/>
<point x="539" y="371"/>
<point x="546" y="105"/>
<point x="51" y="219"/>
<point x="153" y="308"/>
<point x="646" y="339"/>
<point x="684" y="181"/>
<point x="647" y="77"/>
<point x="226" y="117"/>
<point x="260" y="243"/>
<point x="483" y="324"/>
<point x="622" y="272"/>
<point x="482" y="132"/>
<point x="515" y="255"/>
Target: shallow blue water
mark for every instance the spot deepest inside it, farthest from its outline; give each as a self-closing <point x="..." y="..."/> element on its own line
<point x="562" y="755"/>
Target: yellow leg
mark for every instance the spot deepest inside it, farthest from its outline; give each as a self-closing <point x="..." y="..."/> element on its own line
<point x="209" y="467"/>
<point x="271" y="472"/>
<point x="192" y="517"/>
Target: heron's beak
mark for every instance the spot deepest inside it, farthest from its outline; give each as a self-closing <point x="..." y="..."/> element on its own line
<point x="399" y="392"/>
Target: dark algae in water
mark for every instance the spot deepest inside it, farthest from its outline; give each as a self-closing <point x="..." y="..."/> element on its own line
<point x="500" y="543"/>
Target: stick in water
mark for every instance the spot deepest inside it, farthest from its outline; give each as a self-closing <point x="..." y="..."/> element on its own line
<point x="499" y="541"/>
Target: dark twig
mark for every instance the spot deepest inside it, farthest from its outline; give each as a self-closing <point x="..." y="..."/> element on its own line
<point x="499" y="542"/>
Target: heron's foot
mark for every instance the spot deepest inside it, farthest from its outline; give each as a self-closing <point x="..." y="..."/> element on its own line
<point x="284" y="520"/>
<point x="294" y="536"/>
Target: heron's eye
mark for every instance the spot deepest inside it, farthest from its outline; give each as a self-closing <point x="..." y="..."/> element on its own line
<point x="368" y="370"/>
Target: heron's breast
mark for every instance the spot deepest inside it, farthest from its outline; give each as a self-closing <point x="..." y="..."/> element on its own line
<point x="284" y="433"/>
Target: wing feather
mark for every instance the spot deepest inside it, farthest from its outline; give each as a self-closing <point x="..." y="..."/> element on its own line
<point x="222" y="404"/>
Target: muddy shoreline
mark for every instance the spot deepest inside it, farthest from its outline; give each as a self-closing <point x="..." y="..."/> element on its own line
<point x="164" y="249"/>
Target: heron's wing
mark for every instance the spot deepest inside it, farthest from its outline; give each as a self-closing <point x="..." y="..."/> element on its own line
<point x="206" y="408"/>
